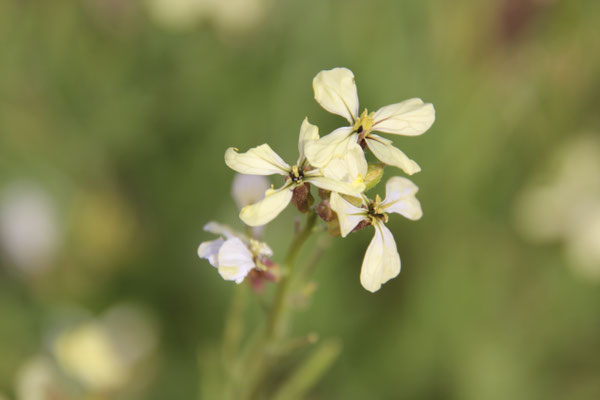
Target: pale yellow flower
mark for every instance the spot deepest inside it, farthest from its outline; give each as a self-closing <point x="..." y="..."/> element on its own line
<point x="335" y="90"/>
<point x="566" y="208"/>
<point x="382" y="261"/>
<point x="262" y="160"/>
<point x="88" y="354"/>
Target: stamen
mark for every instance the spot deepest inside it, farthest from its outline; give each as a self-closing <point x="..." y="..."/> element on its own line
<point x="297" y="174"/>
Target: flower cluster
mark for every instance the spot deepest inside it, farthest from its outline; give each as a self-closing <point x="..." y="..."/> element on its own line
<point x="336" y="164"/>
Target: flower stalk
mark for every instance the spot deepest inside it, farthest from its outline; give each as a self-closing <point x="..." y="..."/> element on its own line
<point x="336" y="165"/>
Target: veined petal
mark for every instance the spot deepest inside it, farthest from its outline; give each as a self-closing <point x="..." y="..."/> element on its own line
<point x="260" y="160"/>
<point x="210" y="251"/>
<point x="308" y="133"/>
<point x="382" y="261"/>
<point x="336" y="92"/>
<point x="352" y="188"/>
<point x="390" y="155"/>
<point x="411" y="117"/>
<point x="400" y="198"/>
<point x="268" y="208"/>
<point x="235" y="260"/>
<point x="349" y="167"/>
<point x="320" y="152"/>
<point x="348" y="215"/>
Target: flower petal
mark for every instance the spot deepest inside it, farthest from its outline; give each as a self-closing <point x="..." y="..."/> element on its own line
<point x="390" y="155"/>
<point x="382" y="261"/>
<point x="235" y="260"/>
<point x="210" y="251"/>
<point x="221" y="229"/>
<point x="336" y="92"/>
<point x="268" y="208"/>
<point x="352" y="188"/>
<point x="411" y="117"/>
<point x="400" y="198"/>
<point x="348" y="215"/>
<point x="260" y="160"/>
<point x="309" y="133"/>
<point x="336" y="144"/>
<point x="349" y="167"/>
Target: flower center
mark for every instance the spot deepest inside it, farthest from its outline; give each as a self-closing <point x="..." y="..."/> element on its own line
<point x="363" y="125"/>
<point x="296" y="174"/>
<point x="375" y="211"/>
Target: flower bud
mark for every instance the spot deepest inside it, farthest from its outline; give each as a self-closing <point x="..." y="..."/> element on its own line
<point x="302" y="198"/>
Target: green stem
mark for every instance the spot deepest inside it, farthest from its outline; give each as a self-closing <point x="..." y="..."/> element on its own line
<point x="257" y="362"/>
<point x="275" y="321"/>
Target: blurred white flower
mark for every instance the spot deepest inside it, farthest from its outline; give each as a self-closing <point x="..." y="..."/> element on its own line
<point x="567" y="207"/>
<point x="229" y="17"/>
<point x="335" y="90"/>
<point x="262" y="160"/>
<point x="382" y="261"/>
<point x="38" y="379"/>
<point x="248" y="189"/>
<point x="29" y="229"/>
<point x="236" y="255"/>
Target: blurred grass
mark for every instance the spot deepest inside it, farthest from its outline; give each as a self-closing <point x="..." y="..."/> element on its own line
<point x="125" y="123"/>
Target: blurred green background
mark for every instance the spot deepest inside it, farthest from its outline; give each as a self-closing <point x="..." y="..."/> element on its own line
<point x="114" y="117"/>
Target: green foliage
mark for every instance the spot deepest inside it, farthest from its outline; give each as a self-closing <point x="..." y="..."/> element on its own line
<point x="124" y="122"/>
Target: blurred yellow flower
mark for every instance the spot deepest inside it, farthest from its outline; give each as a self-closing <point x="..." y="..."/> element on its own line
<point x="567" y="207"/>
<point x="229" y="17"/>
<point x="38" y="379"/>
<point x="102" y="353"/>
<point x="87" y="354"/>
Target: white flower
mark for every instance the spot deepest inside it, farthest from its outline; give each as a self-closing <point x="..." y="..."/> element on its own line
<point x="336" y="92"/>
<point x="382" y="261"/>
<point x="262" y="160"/>
<point x="235" y="256"/>
<point x="29" y="228"/>
<point x="248" y="189"/>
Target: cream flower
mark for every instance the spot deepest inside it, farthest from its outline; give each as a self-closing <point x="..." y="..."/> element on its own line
<point x="262" y="160"/>
<point x="382" y="261"/>
<point x="235" y="256"/>
<point x="335" y="90"/>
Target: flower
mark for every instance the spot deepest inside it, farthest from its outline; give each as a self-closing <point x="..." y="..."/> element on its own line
<point x="87" y="354"/>
<point x="382" y="261"/>
<point x="565" y="205"/>
<point x="232" y="17"/>
<point x="235" y="256"/>
<point x="30" y="231"/>
<point x="262" y="160"/>
<point x="335" y="90"/>
<point x="248" y="189"/>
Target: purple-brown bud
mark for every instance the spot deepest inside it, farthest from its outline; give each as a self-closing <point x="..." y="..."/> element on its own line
<point x="302" y="198"/>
